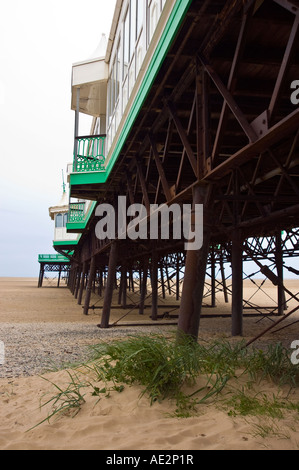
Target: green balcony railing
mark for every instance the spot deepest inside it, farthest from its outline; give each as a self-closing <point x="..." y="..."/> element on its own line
<point x="76" y="212"/>
<point x="89" y="154"/>
<point x="52" y="259"/>
<point x="79" y="215"/>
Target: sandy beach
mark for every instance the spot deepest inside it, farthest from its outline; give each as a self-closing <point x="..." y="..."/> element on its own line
<point x="45" y="328"/>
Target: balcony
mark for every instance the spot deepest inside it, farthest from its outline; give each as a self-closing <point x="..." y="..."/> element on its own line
<point x="89" y="154"/>
<point x="88" y="166"/>
<point x="76" y="212"/>
<point x="79" y="215"/>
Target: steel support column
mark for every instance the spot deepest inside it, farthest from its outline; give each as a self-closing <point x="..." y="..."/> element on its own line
<point x="279" y="267"/>
<point x="92" y="272"/>
<point x="194" y="279"/>
<point x="78" y="281"/>
<point x="109" y="286"/>
<point x="237" y="283"/>
<point x="84" y="272"/>
<point x="124" y="286"/>
<point x="143" y="289"/>
<point x="41" y="275"/>
<point x="154" y="280"/>
<point x="59" y="275"/>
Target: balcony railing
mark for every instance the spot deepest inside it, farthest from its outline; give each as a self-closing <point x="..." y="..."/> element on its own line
<point x="52" y="258"/>
<point x="89" y="153"/>
<point x="76" y="212"/>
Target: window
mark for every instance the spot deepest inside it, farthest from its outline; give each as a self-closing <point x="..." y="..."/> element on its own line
<point x="133" y="24"/>
<point x="109" y="110"/>
<point x="59" y="221"/>
<point x="114" y="83"/>
<point x="118" y="75"/>
<point x="154" y="9"/>
<point x="140" y="11"/>
<point x="132" y="27"/>
<point x="126" y="44"/>
<point x="65" y="219"/>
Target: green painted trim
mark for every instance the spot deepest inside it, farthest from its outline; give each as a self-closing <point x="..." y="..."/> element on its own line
<point x="73" y="226"/>
<point x="174" y="22"/>
<point x="66" y="243"/>
<point x="95" y="177"/>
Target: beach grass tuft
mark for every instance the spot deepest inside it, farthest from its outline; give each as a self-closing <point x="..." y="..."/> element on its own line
<point x="172" y="369"/>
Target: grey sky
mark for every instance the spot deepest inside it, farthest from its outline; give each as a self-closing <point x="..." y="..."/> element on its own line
<point x="39" y="42"/>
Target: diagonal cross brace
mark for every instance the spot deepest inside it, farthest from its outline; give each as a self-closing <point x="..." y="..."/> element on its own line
<point x="231" y="103"/>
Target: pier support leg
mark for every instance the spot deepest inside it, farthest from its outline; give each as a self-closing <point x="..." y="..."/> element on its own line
<point x="92" y="272"/>
<point x="194" y="279"/>
<point x="59" y="275"/>
<point x="84" y="272"/>
<point x="154" y="279"/>
<point x="74" y="280"/>
<point x="237" y="284"/>
<point x="109" y="286"/>
<point x="120" y="287"/>
<point x="143" y="287"/>
<point x="178" y="277"/>
<point x="69" y="279"/>
<point x="78" y="282"/>
<point x="41" y="275"/>
<point x="162" y="281"/>
<point x="281" y="300"/>
<point x="168" y="279"/>
<point x="124" y="286"/>
<point x="213" y="279"/>
<point x="100" y="286"/>
<point x="131" y="281"/>
<point x="223" y="280"/>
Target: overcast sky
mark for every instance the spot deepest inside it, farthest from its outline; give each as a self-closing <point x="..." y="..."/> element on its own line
<point x="39" y="42"/>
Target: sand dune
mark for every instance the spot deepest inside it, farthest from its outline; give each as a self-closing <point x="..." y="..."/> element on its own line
<point x="124" y="421"/>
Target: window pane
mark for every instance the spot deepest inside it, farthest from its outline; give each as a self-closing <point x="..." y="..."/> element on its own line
<point x="126" y="44"/>
<point x="59" y="221"/>
<point x="140" y="9"/>
<point x="153" y="17"/>
<point x="117" y="71"/>
<point x="125" y="94"/>
<point x="109" y="98"/>
<point x="133" y="28"/>
<point x="113" y="85"/>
